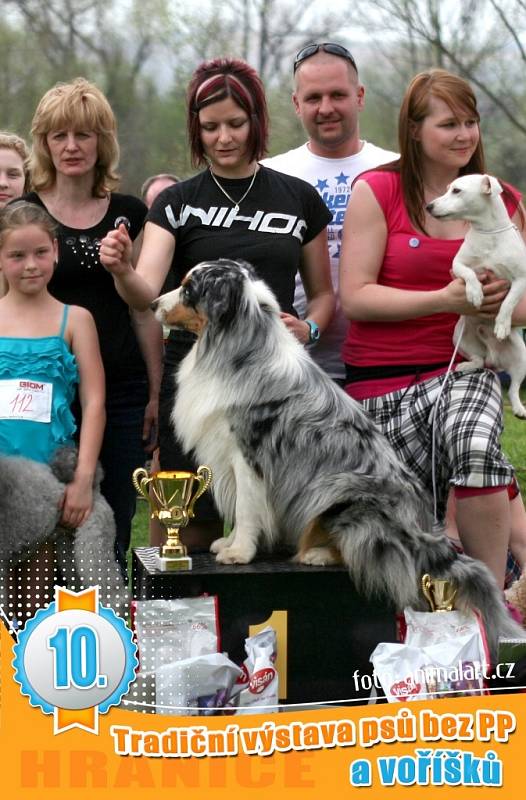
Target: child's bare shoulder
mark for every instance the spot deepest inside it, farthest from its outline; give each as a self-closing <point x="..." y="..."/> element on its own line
<point x="80" y="315"/>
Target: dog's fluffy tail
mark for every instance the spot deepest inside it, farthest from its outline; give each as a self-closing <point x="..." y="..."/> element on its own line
<point x="382" y="562"/>
<point x="478" y="589"/>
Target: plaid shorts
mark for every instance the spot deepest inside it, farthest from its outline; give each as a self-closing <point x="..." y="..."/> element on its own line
<point x="468" y="427"/>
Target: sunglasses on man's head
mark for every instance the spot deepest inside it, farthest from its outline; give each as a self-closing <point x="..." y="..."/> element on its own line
<point x="327" y="47"/>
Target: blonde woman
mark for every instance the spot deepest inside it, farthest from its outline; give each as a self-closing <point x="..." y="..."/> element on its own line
<point x="74" y="176"/>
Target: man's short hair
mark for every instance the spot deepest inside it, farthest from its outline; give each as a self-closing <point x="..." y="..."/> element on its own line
<point x="167" y="176"/>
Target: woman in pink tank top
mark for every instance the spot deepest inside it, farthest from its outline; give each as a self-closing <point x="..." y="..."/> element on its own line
<point x="397" y="289"/>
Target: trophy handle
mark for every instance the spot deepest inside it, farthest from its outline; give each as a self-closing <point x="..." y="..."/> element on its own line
<point x="204" y="479"/>
<point x="141" y="480"/>
<point x="426" y="590"/>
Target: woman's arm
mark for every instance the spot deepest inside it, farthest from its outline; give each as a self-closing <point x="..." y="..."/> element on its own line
<point x="363" y="247"/>
<point x="315" y="273"/>
<point x="138" y="287"/>
<point x="149" y="335"/>
<point x="78" y="497"/>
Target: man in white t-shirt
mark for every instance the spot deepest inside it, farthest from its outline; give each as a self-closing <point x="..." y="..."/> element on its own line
<point x="328" y="98"/>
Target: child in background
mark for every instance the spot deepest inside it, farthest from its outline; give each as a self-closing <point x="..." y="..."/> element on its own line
<point x="13" y="167"/>
<point x="14" y="176"/>
<point x="46" y="348"/>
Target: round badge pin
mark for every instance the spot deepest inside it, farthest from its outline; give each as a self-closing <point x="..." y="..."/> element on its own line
<point x="75" y="659"/>
<point x="414" y="242"/>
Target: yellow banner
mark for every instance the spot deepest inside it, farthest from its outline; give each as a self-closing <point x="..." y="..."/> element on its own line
<point x="76" y="601"/>
<point x="376" y="751"/>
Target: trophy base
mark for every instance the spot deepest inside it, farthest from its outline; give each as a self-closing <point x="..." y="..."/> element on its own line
<point x="166" y="564"/>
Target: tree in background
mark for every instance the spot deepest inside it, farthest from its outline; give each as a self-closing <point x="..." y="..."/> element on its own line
<point x="110" y="43"/>
<point x="482" y="40"/>
<point x="142" y="52"/>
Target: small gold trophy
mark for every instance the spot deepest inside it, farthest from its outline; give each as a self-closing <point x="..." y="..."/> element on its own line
<point x="172" y="497"/>
<point x="440" y="594"/>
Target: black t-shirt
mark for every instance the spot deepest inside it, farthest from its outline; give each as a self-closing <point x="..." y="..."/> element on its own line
<point x="80" y="279"/>
<point x="279" y="215"/>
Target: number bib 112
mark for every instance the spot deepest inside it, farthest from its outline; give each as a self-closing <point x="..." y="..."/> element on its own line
<point x="25" y="399"/>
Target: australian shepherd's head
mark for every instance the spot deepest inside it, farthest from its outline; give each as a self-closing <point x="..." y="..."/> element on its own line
<point x="215" y="294"/>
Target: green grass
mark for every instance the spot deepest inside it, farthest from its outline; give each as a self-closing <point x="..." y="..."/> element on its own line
<point x="513" y="444"/>
<point x="140" y="534"/>
<point x="140" y="524"/>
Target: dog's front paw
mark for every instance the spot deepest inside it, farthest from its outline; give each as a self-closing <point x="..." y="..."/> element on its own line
<point x="236" y="554"/>
<point x="219" y="544"/>
<point x="502" y="329"/>
<point x="474" y="293"/>
<point x="318" y="557"/>
<point x="518" y="409"/>
<point x="469" y="366"/>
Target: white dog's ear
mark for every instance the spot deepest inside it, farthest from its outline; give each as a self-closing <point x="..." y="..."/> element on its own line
<point x="490" y="185"/>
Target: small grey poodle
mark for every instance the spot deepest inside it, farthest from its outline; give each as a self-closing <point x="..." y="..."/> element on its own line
<point x="30" y="493"/>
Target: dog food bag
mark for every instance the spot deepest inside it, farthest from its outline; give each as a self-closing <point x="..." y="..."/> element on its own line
<point x="172" y="630"/>
<point x="441" y="670"/>
<point x="434" y="627"/>
<point x="445" y="629"/>
<point x="258" y="684"/>
<point x="399" y="670"/>
<point x="444" y="654"/>
<point x="195" y="686"/>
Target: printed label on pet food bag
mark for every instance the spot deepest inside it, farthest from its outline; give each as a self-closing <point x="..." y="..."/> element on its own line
<point x="258" y="684"/>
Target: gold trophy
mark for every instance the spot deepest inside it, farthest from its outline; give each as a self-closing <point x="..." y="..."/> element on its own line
<point x="440" y="594"/>
<point x="172" y="497"/>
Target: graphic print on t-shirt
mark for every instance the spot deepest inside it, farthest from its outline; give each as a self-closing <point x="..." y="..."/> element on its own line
<point x="83" y="248"/>
<point x="224" y="217"/>
<point x="335" y="191"/>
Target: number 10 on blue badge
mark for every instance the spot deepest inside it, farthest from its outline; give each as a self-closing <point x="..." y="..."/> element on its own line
<point x="76" y="658"/>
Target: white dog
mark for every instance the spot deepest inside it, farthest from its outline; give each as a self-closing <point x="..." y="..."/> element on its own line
<point x="492" y="242"/>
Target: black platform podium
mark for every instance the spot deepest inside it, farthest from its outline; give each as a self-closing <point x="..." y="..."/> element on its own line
<point x="329" y="630"/>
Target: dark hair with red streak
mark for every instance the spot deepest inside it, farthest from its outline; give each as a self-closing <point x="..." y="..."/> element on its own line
<point x="227" y="77"/>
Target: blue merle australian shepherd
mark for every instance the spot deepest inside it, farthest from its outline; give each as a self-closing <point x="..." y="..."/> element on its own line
<point x="295" y="459"/>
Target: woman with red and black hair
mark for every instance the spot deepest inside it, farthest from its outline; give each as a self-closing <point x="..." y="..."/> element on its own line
<point x="217" y="80"/>
<point x="234" y="208"/>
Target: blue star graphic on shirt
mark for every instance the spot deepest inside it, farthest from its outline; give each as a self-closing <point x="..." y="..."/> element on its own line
<point x="321" y="185"/>
<point x="341" y="178"/>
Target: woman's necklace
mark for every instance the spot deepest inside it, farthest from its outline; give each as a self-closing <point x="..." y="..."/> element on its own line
<point x="222" y="189"/>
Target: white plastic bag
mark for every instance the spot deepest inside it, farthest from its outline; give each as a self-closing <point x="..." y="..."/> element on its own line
<point x="195" y="686"/>
<point x="172" y="630"/>
<point x="258" y="685"/>
<point x="444" y="654"/>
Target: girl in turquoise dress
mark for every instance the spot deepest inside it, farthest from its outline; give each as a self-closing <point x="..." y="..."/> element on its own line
<point x="46" y="349"/>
